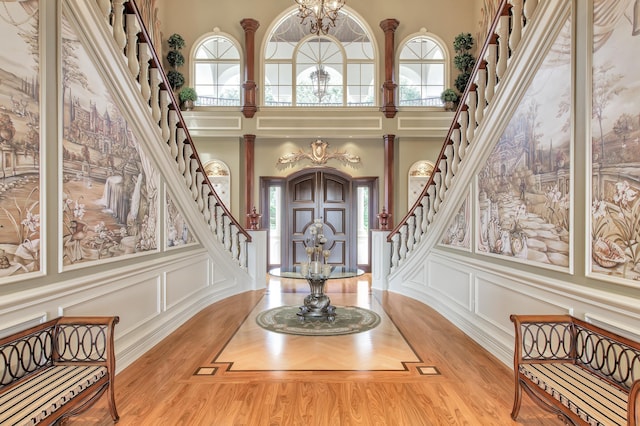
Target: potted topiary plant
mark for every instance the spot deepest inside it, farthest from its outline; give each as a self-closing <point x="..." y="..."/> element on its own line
<point x="175" y="59"/>
<point x="463" y="61"/>
<point x="449" y="97"/>
<point x="188" y="96"/>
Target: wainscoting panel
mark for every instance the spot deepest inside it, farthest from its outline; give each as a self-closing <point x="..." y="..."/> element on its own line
<point x="497" y="299"/>
<point x="136" y="303"/>
<point x="451" y="283"/>
<point x="185" y="280"/>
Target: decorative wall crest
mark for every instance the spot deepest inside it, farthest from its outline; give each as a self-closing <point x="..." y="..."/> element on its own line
<point x="319" y="155"/>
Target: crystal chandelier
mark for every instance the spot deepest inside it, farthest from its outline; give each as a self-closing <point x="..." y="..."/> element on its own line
<point x="322" y="14"/>
<point x="320" y="77"/>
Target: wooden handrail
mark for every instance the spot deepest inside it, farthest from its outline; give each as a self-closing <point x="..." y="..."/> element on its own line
<point x="144" y="37"/>
<point x="480" y="64"/>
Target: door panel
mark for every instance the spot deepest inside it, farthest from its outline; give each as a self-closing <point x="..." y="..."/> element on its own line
<point x="320" y="195"/>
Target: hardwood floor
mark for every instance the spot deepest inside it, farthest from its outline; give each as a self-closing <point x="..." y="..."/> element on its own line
<point x="162" y="387"/>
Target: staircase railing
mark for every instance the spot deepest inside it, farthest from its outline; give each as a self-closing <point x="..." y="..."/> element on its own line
<point x="493" y="62"/>
<point x="132" y="38"/>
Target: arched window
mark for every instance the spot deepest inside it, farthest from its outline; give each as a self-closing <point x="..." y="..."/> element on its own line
<point x="423" y="67"/>
<point x="303" y="69"/>
<point x="216" y="70"/>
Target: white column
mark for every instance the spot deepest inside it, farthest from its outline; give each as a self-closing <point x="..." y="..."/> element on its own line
<point x="257" y="259"/>
<point x="380" y="259"/>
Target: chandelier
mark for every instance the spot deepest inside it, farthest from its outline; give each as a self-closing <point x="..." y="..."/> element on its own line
<point x="322" y="14"/>
<point x="320" y="77"/>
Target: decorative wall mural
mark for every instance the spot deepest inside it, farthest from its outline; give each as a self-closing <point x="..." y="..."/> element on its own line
<point x="178" y="233"/>
<point x="110" y="189"/>
<point x="20" y="190"/>
<point x="524" y="194"/>
<point x="220" y="177"/>
<point x="458" y="232"/>
<point x="615" y="148"/>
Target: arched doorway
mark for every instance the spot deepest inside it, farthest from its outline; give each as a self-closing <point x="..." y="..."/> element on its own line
<point x="345" y="204"/>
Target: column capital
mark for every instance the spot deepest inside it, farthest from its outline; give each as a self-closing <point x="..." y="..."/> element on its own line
<point x="249" y="25"/>
<point x="389" y="25"/>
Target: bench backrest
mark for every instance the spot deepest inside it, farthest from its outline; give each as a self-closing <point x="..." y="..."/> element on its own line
<point x="26" y="352"/>
<point x="612" y="357"/>
<point x="61" y="340"/>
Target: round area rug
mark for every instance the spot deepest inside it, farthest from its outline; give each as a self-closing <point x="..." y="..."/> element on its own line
<point x="349" y="319"/>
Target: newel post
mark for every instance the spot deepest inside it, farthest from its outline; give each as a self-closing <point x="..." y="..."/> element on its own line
<point x="389" y="86"/>
<point x="249" y="108"/>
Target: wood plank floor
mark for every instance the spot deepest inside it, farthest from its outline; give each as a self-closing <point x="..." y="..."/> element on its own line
<point x="470" y="386"/>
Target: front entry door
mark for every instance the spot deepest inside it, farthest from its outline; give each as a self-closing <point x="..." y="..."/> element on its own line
<point x="325" y="195"/>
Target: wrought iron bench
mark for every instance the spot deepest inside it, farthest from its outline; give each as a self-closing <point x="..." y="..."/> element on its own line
<point x="56" y="370"/>
<point x="583" y="373"/>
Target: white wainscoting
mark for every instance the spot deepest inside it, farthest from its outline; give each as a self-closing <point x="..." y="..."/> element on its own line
<point x="478" y="297"/>
<point x="152" y="298"/>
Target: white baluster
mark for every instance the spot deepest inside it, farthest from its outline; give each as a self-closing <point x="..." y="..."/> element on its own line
<point x="118" y="24"/>
<point x="463" y="120"/>
<point x="193" y="168"/>
<point x="228" y="236"/>
<point x="204" y="195"/>
<point x="492" y="78"/>
<point x="186" y="172"/>
<point x="480" y="93"/>
<point x="431" y="191"/>
<point x="411" y="223"/>
<point x="145" y="57"/>
<point x="403" y="244"/>
<point x="516" y="24"/>
<point x="219" y="223"/>
<point x="530" y="6"/>
<point x="503" y="45"/>
<point x="133" y="28"/>
<point x="199" y="185"/>
<point x="243" y="251"/>
<point x="154" y="76"/>
<point x="182" y="155"/>
<point x="164" y="116"/>
<point x="212" y="213"/>
<point x="425" y="214"/>
<point x="235" y="250"/>
<point x="417" y="234"/>
<point x="472" y="101"/>
<point x="460" y="148"/>
<point x="395" y="250"/>
<point x="173" y="144"/>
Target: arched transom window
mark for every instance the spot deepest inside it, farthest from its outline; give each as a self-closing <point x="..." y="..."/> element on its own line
<point x="422" y="65"/>
<point x="216" y="72"/>
<point x="303" y="69"/>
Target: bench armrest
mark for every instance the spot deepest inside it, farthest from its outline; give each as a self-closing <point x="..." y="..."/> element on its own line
<point x="543" y="338"/>
<point x="633" y="408"/>
<point x="85" y="340"/>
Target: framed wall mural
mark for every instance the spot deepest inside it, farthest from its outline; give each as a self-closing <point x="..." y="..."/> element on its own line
<point x="109" y="202"/>
<point x="524" y="189"/>
<point x="615" y="143"/>
<point x="178" y="233"/>
<point x="458" y="232"/>
<point x="21" y="235"/>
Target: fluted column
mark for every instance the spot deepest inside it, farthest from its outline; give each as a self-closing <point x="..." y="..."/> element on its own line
<point x="249" y="26"/>
<point x="389" y="86"/>
<point x="388" y="177"/>
<point x="249" y="166"/>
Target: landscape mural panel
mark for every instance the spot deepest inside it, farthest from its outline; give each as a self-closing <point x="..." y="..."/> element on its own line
<point x="524" y="189"/>
<point x="458" y="232"/>
<point x="20" y="126"/>
<point x="110" y="189"/>
<point x="615" y="148"/>
<point x="178" y="233"/>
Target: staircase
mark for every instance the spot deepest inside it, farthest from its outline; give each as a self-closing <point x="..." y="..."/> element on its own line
<point x="136" y="76"/>
<point x="520" y="34"/>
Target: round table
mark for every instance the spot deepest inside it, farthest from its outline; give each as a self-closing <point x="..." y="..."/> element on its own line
<point x="317" y="304"/>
